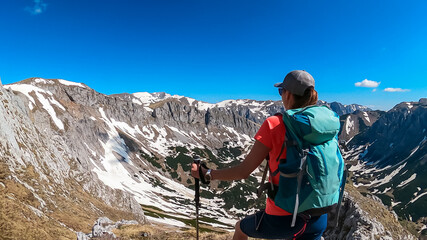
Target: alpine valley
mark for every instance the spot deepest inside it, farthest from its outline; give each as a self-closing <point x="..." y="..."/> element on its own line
<point x="71" y="157"/>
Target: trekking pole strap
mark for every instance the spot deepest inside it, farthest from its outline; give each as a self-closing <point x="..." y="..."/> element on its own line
<point x="201" y="175"/>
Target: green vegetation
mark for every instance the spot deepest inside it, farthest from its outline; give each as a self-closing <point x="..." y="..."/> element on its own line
<point x="157" y="183"/>
<point x="181" y="149"/>
<point x="237" y="196"/>
<point x="224" y="184"/>
<point x="377" y="211"/>
<point x="181" y="159"/>
<point x="174" y="175"/>
<point x="410" y="226"/>
<point x="226" y="150"/>
<point x="207" y="194"/>
<point x="153" y="160"/>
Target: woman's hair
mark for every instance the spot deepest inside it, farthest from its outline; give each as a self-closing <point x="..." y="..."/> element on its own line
<point x="309" y="98"/>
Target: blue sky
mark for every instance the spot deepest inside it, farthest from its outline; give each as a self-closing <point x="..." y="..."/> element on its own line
<point x="222" y="49"/>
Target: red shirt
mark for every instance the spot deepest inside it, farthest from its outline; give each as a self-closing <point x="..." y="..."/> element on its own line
<point x="272" y="135"/>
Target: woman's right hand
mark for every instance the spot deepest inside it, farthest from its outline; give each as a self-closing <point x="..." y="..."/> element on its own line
<point x="195" y="170"/>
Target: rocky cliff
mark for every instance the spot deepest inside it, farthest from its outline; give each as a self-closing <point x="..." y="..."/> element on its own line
<point x="45" y="182"/>
<point x="354" y="123"/>
<point x="392" y="158"/>
<point x="70" y="155"/>
<point x="364" y="218"/>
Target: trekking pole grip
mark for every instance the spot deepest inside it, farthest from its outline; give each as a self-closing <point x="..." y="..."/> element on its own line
<point x="196" y="160"/>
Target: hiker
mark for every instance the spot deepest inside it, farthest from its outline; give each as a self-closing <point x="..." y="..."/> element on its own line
<point x="297" y="91"/>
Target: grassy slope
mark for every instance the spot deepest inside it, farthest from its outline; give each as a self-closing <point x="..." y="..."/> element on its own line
<point x="379" y="212"/>
<point x="64" y="213"/>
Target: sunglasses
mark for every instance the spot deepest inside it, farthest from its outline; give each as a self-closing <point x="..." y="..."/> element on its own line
<point x="281" y="91"/>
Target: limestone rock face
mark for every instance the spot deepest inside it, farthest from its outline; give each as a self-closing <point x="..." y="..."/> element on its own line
<point x="43" y="151"/>
<point x="342" y="109"/>
<point x="103" y="228"/>
<point x="79" y="155"/>
<point x="357" y="122"/>
<point x="363" y="222"/>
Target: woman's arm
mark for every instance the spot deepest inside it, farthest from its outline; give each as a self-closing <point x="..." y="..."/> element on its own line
<point x="255" y="157"/>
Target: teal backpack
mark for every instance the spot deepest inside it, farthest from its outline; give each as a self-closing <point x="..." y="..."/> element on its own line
<point x="312" y="175"/>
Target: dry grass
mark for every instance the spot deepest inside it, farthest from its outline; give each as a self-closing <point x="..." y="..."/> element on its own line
<point x="18" y="220"/>
<point x="377" y="211"/>
<point x="65" y="210"/>
<point x="157" y="232"/>
<point x="80" y="210"/>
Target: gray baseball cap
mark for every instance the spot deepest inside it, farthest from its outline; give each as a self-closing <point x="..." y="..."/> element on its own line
<point x="297" y="82"/>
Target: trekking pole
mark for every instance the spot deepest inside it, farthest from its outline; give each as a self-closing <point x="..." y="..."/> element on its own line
<point x="196" y="160"/>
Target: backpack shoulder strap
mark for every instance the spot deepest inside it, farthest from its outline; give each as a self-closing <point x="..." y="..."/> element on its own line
<point x="287" y="120"/>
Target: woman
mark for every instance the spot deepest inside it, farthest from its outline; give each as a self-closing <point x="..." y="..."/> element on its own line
<point x="297" y="91"/>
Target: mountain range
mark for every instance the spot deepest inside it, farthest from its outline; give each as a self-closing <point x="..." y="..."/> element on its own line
<point x="70" y="154"/>
<point x="392" y="156"/>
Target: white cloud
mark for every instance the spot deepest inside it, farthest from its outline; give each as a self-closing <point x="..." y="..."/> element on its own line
<point x="38" y="8"/>
<point x="367" y="83"/>
<point x="396" y="90"/>
<point x="374" y="90"/>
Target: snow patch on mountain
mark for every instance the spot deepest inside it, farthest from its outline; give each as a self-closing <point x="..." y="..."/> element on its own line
<point x="419" y="196"/>
<point x="167" y="221"/>
<point x="25" y="89"/>
<point x="43" y="81"/>
<point x="45" y="98"/>
<point x="393" y="204"/>
<point x="356" y="167"/>
<point x="365" y="114"/>
<point x="411" y="178"/>
<point x="117" y="166"/>
<point x="47" y="105"/>
<point x="381" y="181"/>
<point x="204" y="106"/>
<point x="69" y="83"/>
<point x="349" y="125"/>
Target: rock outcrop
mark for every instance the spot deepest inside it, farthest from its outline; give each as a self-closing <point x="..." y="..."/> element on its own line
<point x="364" y="218"/>
<point x="41" y="156"/>
<point x="103" y="229"/>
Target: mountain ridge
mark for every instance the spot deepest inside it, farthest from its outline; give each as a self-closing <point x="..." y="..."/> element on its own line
<point x="138" y="148"/>
<point x="396" y="146"/>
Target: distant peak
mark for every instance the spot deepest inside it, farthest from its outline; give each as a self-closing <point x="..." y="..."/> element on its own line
<point x="146" y="98"/>
<point x="69" y="83"/>
<point x="44" y="81"/>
